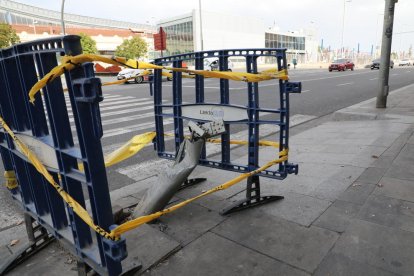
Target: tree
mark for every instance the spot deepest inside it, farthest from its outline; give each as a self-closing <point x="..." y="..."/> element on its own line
<point x="133" y="48"/>
<point x="8" y="36"/>
<point x="88" y="44"/>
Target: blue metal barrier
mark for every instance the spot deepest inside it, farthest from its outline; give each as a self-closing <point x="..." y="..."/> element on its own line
<point x="47" y="123"/>
<point x="250" y="115"/>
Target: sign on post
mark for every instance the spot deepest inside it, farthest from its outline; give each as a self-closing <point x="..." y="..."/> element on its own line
<point x="160" y="40"/>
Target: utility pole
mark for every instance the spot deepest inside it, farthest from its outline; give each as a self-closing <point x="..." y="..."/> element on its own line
<point x="62" y="19"/>
<point x="385" y="54"/>
<point x="201" y="26"/>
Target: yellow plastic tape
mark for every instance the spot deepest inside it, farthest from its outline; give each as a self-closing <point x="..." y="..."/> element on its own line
<point x="70" y="62"/>
<point x="76" y="207"/>
<point x="132" y="224"/>
<point x="129" y="149"/>
<point x="115" y="233"/>
<point x="11" y="181"/>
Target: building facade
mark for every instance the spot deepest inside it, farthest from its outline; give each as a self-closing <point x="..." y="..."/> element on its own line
<point x="33" y="23"/>
<point x="194" y="31"/>
<point x="197" y="31"/>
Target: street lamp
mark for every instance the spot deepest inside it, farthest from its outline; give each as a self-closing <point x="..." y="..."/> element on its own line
<point x="201" y="26"/>
<point x="343" y="28"/>
<point x="62" y="18"/>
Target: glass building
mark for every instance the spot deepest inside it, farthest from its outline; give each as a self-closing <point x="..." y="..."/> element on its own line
<point x="295" y="45"/>
<point x="179" y="38"/>
<point x="285" y="41"/>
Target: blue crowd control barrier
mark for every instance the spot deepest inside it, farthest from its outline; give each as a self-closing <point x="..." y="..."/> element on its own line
<point x="201" y="106"/>
<point x="46" y="124"/>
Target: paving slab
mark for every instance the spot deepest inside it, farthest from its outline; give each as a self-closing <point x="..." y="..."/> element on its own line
<point x="14" y="233"/>
<point x="383" y="247"/>
<point x="337" y="216"/>
<point x="389" y="212"/>
<point x="383" y="161"/>
<point x="215" y="255"/>
<point x="286" y="241"/>
<point x="396" y="188"/>
<point x="357" y="193"/>
<point x="403" y="165"/>
<point x="189" y="223"/>
<point x="397" y="146"/>
<point x="148" y="246"/>
<point x="340" y="265"/>
<point x="52" y="260"/>
<point x="372" y="175"/>
<point x="300" y="184"/>
<point x="330" y="189"/>
<point x="298" y="208"/>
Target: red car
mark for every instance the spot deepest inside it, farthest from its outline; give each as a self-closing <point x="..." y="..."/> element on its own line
<point x="341" y="65"/>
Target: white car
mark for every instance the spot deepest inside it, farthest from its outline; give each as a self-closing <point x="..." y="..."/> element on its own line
<point x="404" y="62"/>
<point x="136" y="75"/>
<point x="212" y="64"/>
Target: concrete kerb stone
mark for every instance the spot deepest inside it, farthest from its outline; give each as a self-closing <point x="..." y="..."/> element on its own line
<point x="366" y="110"/>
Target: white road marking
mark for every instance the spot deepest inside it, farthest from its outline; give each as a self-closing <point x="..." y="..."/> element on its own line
<point x="337" y="76"/>
<point x="373" y="79"/>
<point x="132" y="128"/>
<point x="408" y="71"/>
<point x="126" y="105"/>
<point x="347" y="83"/>
<point x="123" y="101"/>
<point x="207" y="87"/>
<point x="126" y="119"/>
<point x="305" y="91"/>
<point x="394" y="74"/>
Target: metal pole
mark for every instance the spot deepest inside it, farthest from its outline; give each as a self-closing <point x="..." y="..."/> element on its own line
<point x="62" y="20"/>
<point x="343" y="29"/>
<point x="385" y="54"/>
<point x="201" y="26"/>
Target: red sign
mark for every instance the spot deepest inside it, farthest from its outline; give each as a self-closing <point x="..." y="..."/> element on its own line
<point x="160" y="40"/>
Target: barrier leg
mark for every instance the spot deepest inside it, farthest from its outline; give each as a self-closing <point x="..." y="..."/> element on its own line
<point x="39" y="238"/>
<point x="253" y="197"/>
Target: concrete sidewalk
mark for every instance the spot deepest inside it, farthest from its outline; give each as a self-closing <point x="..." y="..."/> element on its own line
<point x="350" y="211"/>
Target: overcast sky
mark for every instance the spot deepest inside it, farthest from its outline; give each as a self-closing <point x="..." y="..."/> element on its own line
<point x="363" y="19"/>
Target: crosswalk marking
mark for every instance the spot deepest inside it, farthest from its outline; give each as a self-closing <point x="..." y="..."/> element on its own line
<point x="132" y="128"/>
<point x="123" y="101"/>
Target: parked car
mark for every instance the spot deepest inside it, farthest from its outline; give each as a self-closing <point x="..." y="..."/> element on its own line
<point x="341" y="65"/>
<point x="136" y="75"/>
<point x="404" y="62"/>
<point x="376" y="64"/>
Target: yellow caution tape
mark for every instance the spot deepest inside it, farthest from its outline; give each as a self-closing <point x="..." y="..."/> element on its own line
<point x="129" y="149"/>
<point x="11" y="181"/>
<point x="132" y="224"/>
<point x="242" y="142"/>
<point x="76" y="207"/>
<point x="70" y="62"/>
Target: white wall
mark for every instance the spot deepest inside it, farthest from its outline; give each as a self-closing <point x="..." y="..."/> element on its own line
<point x="222" y="31"/>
